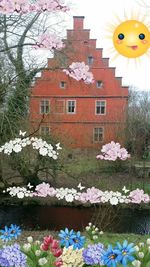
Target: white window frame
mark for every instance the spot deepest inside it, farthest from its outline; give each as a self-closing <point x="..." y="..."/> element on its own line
<point x="45" y="106"/>
<point x="98" y="127"/>
<point x="44" y="133"/>
<point x="68" y="106"/>
<point x="63" y="106"/>
<point x="96" y="107"/>
<point x="60" y="84"/>
<point x="101" y="85"/>
<point x="90" y="60"/>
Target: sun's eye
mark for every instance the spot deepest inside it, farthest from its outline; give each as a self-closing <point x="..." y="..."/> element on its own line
<point x="141" y="36"/>
<point x="120" y="36"/>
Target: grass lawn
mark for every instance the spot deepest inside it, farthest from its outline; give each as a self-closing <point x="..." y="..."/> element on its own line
<point x="106" y="238"/>
<point x="101" y="174"/>
<point x="112" y="238"/>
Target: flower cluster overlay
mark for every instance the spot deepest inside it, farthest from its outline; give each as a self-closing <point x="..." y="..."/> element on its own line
<point x="79" y="71"/>
<point x="91" y="195"/>
<point x="70" y="249"/>
<point x="43" y="148"/>
<point x="49" y="41"/>
<point x="26" y="6"/>
<point x="113" y="151"/>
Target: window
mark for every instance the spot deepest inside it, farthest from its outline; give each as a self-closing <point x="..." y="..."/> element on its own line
<point x="98" y="134"/>
<point x="99" y="84"/>
<point x="44" y="106"/>
<point x="71" y="106"/>
<point x="90" y="60"/>
<point x="59" y="106"/>
<point x="101" y="107"/>
<point x="45" y="130"/>
<point x="62" y="84"/>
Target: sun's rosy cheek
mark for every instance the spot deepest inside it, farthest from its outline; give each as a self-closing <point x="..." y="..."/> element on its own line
<point x="119" y="41"/>
<point x="144" y="41"/>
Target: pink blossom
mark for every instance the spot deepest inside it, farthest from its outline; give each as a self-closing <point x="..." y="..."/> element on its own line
<point x="93" y="195"/>
<point x="49" y="41"/>
<point x="20" y="6"/>
<point x="124" y="154"/>
<point x="44" y="190"/>
<point x="80" y="71"/>
<point x="51" y="5"/>
<point x="137" y="196"/>
<point x="24" y="6"/>
<point x="100" y="157"/>
<point x="113" y="151"/>
<point x="6" y="7"/>
<point x="11" y="6"/>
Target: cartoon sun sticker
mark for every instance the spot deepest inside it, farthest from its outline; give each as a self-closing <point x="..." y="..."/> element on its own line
<point x="129" y="36"/>
<point x="131" y="39"/>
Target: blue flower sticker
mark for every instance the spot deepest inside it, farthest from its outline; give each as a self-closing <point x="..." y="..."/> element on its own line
<point x="67" y="237"/>
<point x="110" y="257"/>
<point x="71" y="238"/>
<point x="78" y="241"/>
<point x="15" y="230"/>
<point x="6" y="234"/>
<point x="126" y="251"/>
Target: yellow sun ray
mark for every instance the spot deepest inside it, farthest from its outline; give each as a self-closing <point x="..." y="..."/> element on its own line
<point x="137" y="62"/>
<point x="143" y="17"/>
<point x="135" y="14"/>
<point x="128" y="62"/>
<point x="148" y="53"/>
<point x="107" y="36"/>
<point x="111" y="49"/>
<point x="132" y="14"/>
<point x="110" y="27"/>
<point x="112" y="59"/>
<point x="125" y="15"/>
<point x="117" y="19"/>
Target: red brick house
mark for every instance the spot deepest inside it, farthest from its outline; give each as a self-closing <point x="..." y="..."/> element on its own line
<point x="83" y="116"/>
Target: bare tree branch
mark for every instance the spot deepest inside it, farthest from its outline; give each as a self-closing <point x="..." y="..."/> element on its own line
<point x="22" y="40"/>
<point x="9" y="54"/>
<point x="15" y="46"/>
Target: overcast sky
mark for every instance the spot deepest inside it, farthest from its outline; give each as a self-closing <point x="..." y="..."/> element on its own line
<point x="100" y="13"/>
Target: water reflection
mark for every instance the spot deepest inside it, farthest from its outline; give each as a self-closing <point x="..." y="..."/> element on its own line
<point x="56" y="218"/>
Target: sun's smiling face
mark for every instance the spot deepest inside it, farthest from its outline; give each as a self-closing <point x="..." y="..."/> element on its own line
<point x="131" y="38"/>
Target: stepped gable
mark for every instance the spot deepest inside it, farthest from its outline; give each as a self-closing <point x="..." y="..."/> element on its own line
<point x="98" y="111"/>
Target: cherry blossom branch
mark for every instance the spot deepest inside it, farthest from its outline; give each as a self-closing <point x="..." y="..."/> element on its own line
<point x="24" y="6"/>
<point x="49" y="41"/>
<point x="80" y="71"/>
